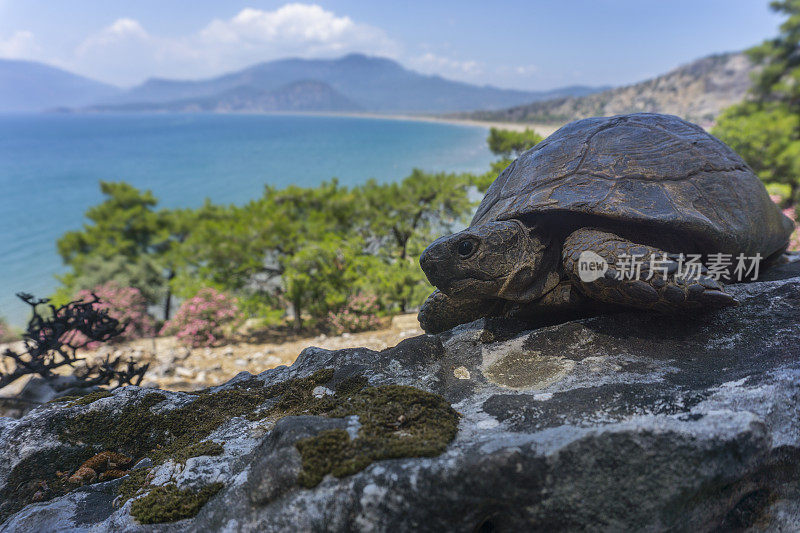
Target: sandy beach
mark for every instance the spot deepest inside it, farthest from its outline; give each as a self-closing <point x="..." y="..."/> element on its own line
<point x="542" y="129"/>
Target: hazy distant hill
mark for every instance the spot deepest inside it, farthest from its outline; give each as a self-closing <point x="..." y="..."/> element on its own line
<point x="31" y="86"/>
<point x="697" y="91"/>
<point x="368" y="83"/>
<point x="297" y="96"/>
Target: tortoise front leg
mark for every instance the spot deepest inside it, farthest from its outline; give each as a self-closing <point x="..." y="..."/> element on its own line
<point x="648" y="290"/>
<point x="440" y="312"/>
<point x="562" y="304"/>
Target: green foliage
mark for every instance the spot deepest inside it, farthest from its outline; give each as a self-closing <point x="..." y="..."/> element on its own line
<point x="124" y="224"/>
<point x="765" y="130"/>
<point x="126" y="242"/>
<point x="422" y="205"/>
<point x="297" y="251"/>
<point x="778" y="80"/>
<point x="506" y="143"/>
<point x="402" y="218"/>
<point x="766" y="136"/>
<point x="321" y="275"/>
<point x="141" y="272"/>
<point x="779" y="192"/>
<point x="482" y="182"/>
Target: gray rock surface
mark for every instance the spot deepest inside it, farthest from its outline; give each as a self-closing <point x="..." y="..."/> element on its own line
<point x="617" y="423"/>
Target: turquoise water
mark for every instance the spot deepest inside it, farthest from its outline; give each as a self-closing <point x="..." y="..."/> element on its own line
<point x="50" y="166"/>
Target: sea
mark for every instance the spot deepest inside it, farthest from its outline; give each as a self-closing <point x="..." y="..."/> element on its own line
<point x="51" y="166"/>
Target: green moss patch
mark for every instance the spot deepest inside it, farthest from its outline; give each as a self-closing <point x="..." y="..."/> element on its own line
<point x="132" y="483"/>
<point x="36" y="478"/>
<point x="137" y="431"/>
<point x="64" y="399"/>
<point x="396" y="421"/>
<point x="207" y="447"/>
<point x="91" y="397"/>
<point x="129" y="431"/>
<point x="351" y="385"/>
<point x="296" y="395"/>
<point x="169" y="503"/>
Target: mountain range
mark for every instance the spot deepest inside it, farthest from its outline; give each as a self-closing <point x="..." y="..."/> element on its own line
<point x="29" y="86"/>
<point x="354" y="82"/>
<point x="697" y="91"/>
<point x="298" y="96"/>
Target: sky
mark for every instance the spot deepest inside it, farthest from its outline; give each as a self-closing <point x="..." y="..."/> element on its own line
<point x="522" y="44"/>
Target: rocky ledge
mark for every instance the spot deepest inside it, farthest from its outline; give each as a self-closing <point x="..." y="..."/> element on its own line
<point x="626" y="422"/>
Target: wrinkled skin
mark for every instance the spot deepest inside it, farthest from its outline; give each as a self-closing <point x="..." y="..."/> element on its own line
<point x="480" y="270"/>
<point x="504" y="260"/>
<point x="508" y="269"/>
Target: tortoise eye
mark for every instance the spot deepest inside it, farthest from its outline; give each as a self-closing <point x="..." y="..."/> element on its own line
<point x="465" y="248"/>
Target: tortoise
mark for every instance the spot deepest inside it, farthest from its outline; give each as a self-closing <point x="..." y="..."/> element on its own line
<point x="600" y="191"/>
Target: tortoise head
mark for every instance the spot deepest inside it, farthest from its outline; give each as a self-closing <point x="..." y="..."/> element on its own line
<point x="504" y="259"/>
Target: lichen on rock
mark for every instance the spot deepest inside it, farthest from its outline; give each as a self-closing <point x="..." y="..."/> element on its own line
<point x="647" y="423"/>
<point x="398" y="421"/>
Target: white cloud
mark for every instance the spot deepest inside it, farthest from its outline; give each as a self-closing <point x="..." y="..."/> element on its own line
<point x="123" y="29"/>
<point x="294" y="23"/>
<point x="526" y="70"/>
<point x="19" y="45"/>
<point x="125" y="52"/>
<point x="447" y="67"/>
<point x="305" y="30"/>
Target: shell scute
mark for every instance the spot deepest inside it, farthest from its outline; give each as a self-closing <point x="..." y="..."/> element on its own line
<point x="654" y="170"/>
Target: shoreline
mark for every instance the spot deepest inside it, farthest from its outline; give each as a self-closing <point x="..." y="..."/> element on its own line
<point x="542" y="129"/>
<point x="149" y="165"/>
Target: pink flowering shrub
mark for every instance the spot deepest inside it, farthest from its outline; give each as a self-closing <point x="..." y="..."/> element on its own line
<point x="201" y="320"/>
<point x="126" y="304"/>
<point x="794" y="242"/>
<point x="358" y="314"/>
<point x="791" y="212"/>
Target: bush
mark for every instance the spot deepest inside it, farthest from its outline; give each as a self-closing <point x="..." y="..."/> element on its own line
<point x="53" y="338"/>
<point x="125" y="304"/>
<point x="766" y="138"/>
<point x="201" y="320"/>
<point x="358" y="314"/>
<point x="507" y="143"/>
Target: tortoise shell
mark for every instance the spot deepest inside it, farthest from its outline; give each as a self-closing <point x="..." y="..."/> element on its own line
<point x="645" y="171"/>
